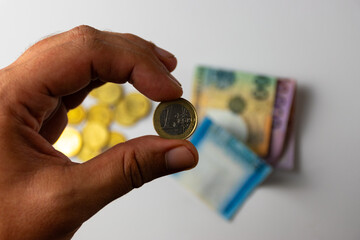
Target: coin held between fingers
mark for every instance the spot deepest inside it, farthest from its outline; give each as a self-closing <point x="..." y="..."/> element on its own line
<point x="175" y="119"/>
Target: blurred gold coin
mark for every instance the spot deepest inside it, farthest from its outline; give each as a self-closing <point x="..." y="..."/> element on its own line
<point x="137" y="105"/>
<point x="122" y="115"/>
<point x="95" y="135"/>
<point x="76" y="115"/>
<point x="94" y="92"/>
<point x="87" y="153"/>
<point x="175" y="119"/>
<point x="100" y="113"/>
<point x="109" y="93"/>
<point x="70" y="142"/>
<point x="115" y="138"/>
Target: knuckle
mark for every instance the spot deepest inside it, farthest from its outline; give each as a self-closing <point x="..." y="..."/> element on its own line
<point x="150" y="44"/>
<point x="134" y="38"/>
<point x="132" y="169"/>
<point x="145" y="45"/>
<point x="130" y="36"/>
<point x="85" y="35"/>
<point x="7" y="80"/>
<point x="150" y="47"/>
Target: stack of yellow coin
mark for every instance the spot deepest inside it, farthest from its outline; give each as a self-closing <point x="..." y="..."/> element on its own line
<point x="90" y="132"/>
<point x="87" y="153"/>
<point x="122" y="116"/>
<point x="137" y="105"/>
<point x="115" y="138"/>
<point x="70" y="142"/>
<point x="76" y="115"/>
<point x="100" y="113"/>
<point x="95" y="135"/>
<point x="109" y="93"/>
<point x="134" y="107"/>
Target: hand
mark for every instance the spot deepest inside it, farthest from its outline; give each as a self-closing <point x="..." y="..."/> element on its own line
<point x="43" y="195"/>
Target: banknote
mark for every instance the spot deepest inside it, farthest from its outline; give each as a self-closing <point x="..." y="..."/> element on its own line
<point x="247" y="95"/>
<point x="227" y="172"/>
<point x="287" y="160"/>
<point x="285" y="93"/>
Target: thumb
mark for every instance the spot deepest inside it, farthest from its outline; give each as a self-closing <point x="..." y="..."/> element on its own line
<point x="131" y="164"/>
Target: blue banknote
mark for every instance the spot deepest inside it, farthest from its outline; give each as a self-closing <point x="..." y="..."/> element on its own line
<point x="227" y="172"/>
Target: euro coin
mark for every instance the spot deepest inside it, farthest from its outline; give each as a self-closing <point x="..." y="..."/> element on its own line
<point x="137" y="105"/>
<point x="109" y="93"/>
<point x="115" y="138"/>
<point x="87" y="153"/>
<point x="122" y="115"/>
<point x="100" y="113"/>
<point x="95" y="135"/>
<point x="70" y="142"/>
<point x="76" y="115"/>
<point x="175" y="119"/>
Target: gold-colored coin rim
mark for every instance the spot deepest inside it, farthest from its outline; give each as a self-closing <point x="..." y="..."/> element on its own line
<point x="191" y="129"/>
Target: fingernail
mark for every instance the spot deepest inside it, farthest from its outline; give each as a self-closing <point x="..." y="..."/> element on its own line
<point x="174" y="80"/>
<point x="163" y="52"/>
<point x="179" y="159"/>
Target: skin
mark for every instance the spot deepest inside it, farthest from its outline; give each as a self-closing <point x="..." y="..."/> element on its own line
<point x="43" y="195"/>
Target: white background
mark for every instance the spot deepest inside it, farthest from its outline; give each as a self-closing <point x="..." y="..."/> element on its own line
<point x="316" y="42"/>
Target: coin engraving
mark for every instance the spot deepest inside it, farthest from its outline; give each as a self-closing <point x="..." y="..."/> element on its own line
<point x="175" y="119"/>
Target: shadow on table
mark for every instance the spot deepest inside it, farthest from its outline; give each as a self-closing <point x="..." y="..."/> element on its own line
<point x="303" y="101"/>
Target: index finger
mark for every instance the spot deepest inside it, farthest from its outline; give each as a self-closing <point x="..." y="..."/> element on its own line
<point x="85" y="53"/>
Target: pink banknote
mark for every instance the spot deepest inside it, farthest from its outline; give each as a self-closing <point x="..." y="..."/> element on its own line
<point x="287" y="160"/>
<point x="284" y="100"/>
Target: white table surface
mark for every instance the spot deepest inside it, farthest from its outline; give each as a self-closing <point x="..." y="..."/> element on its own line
<point x="316" y="42"/>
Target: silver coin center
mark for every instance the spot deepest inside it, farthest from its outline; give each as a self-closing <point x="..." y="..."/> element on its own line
<point x="175" y="119"/>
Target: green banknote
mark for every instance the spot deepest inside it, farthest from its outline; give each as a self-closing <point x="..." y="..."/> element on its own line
<point x="248" y="96"/>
